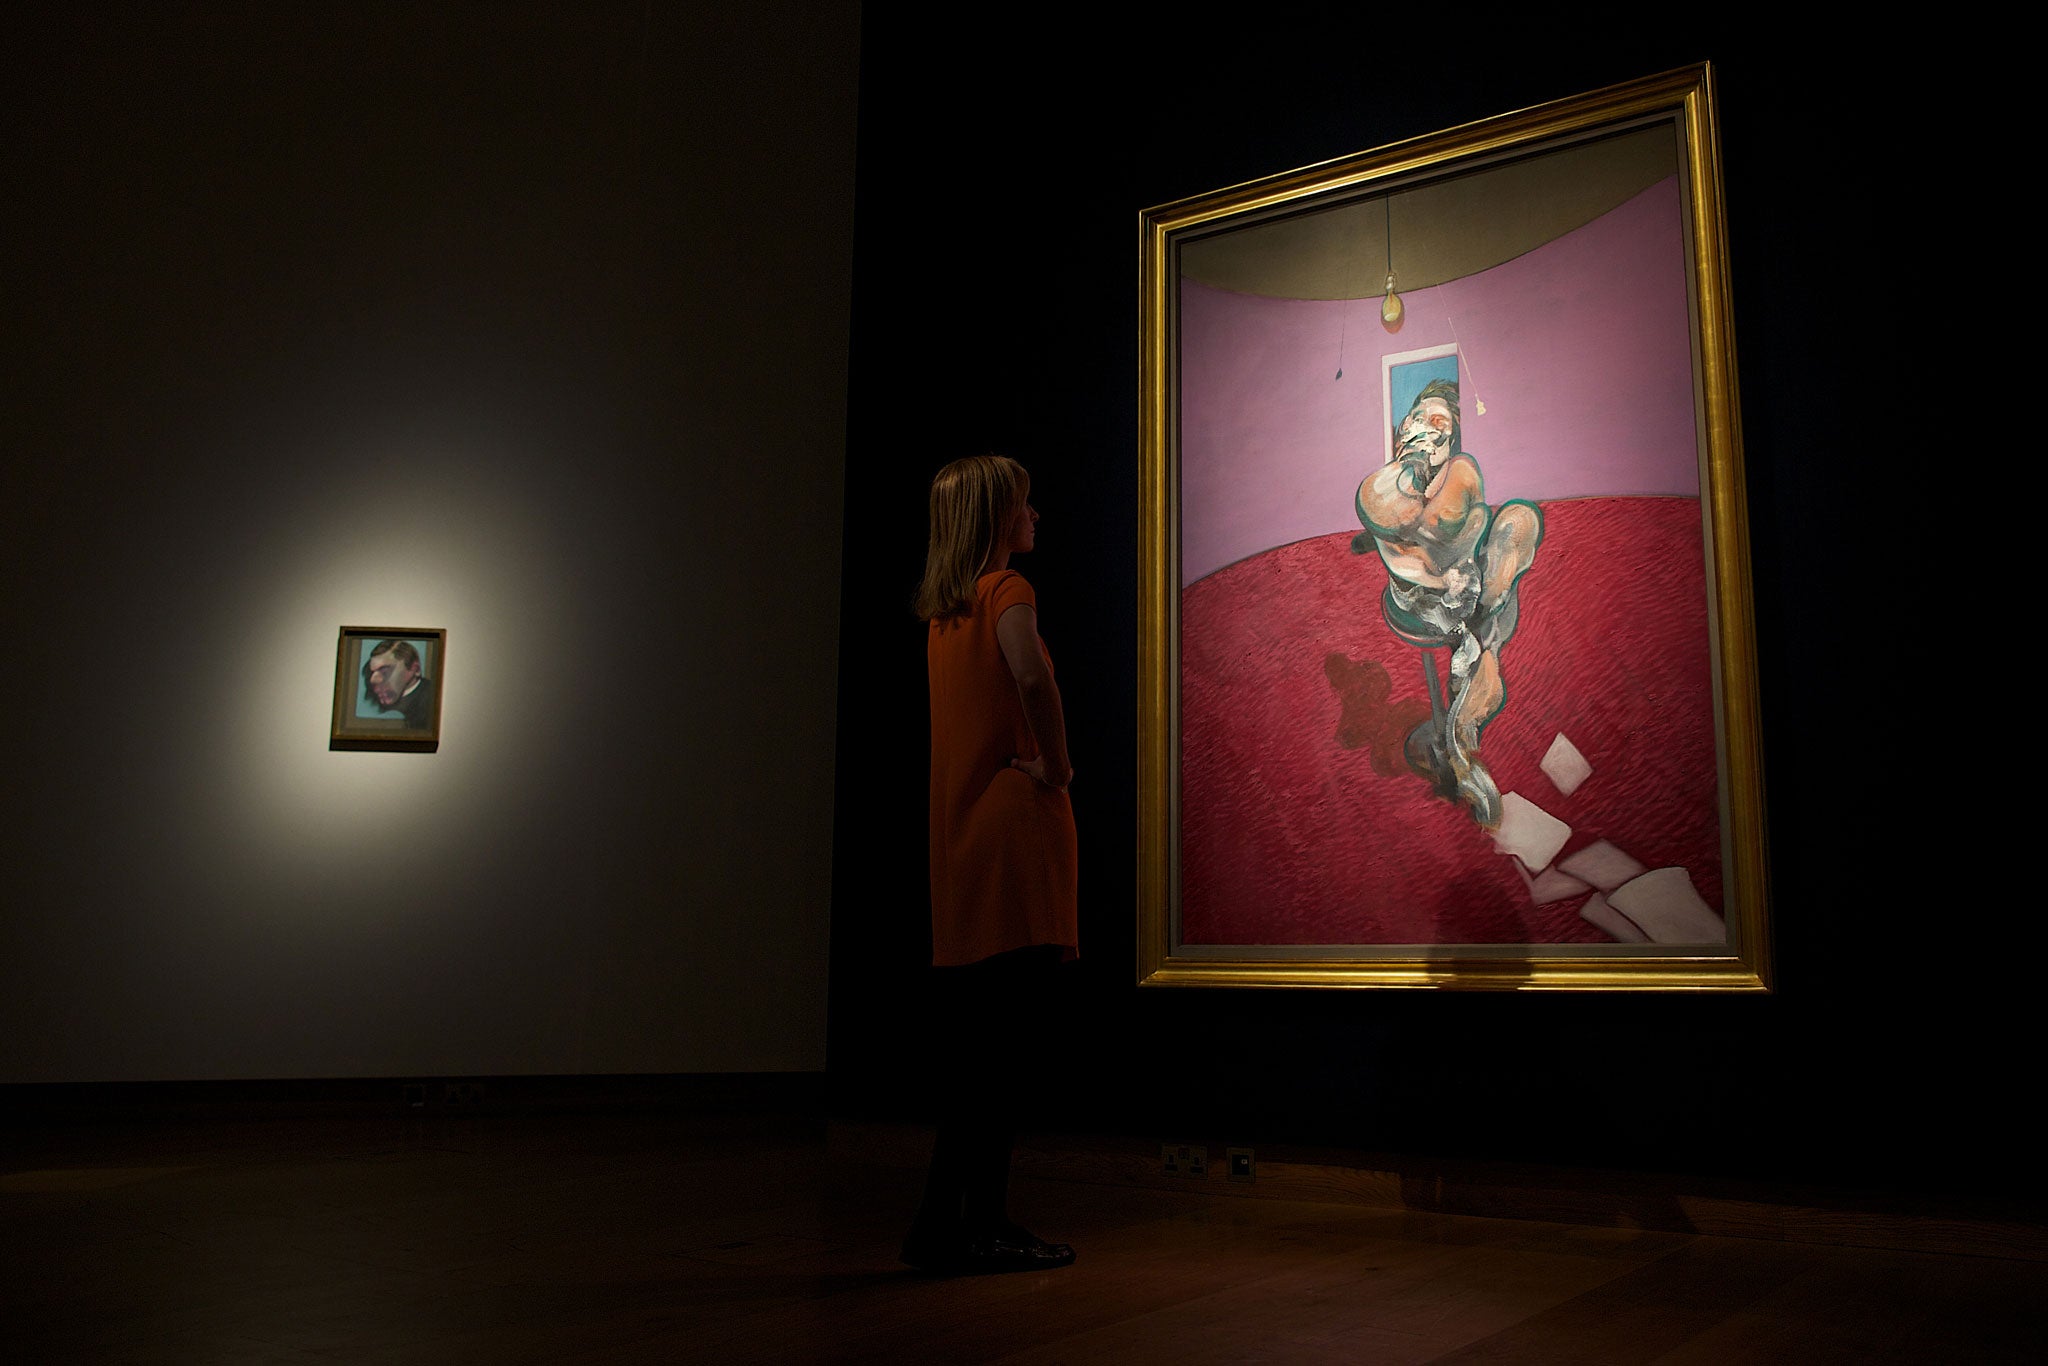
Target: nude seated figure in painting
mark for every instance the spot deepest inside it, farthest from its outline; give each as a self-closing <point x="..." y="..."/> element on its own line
<point x="1453" y="564"/>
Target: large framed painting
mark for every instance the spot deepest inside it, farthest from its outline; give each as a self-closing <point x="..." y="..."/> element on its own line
<point x="1447" y="662"/>
<point x="387" y="688"/>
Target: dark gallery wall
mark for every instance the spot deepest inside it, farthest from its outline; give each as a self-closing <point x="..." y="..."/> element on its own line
<point x="525" y="321"/>
<point x="995" y="306"/>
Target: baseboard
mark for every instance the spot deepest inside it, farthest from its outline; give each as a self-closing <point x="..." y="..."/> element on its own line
<point x="792" y="1093"/>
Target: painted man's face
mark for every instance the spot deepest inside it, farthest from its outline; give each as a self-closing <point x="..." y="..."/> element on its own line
<point x="1426" y="431"/>
<point x="389" y="678"/>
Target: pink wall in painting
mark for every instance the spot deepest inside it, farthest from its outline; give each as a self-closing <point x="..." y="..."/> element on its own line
<point x="1580" y="351"/>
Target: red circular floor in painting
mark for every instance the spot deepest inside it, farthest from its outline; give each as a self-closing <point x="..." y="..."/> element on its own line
<point x="1290" y="680"/>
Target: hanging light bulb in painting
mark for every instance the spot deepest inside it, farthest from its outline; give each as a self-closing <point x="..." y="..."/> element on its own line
<point x="1391" y="310"/>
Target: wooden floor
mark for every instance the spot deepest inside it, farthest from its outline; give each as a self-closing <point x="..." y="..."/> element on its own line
<point x="640" y="1238"/>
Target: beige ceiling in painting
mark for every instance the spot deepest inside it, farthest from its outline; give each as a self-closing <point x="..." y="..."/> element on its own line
<point x="1442" y="229"/>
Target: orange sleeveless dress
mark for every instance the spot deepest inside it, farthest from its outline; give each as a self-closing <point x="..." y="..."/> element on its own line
<point x="1004" y="858"/>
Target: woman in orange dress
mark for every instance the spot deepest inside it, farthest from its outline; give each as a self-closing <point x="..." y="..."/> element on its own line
<point x="1002" y="858"/>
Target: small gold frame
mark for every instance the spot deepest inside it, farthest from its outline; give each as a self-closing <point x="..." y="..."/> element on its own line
<point x="359" y="723"/>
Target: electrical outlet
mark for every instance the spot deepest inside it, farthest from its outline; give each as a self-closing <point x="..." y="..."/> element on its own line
<point x="1183" y="1159"/>
<point x="1240" y="1160"/>
<point x="461" y="1092"/>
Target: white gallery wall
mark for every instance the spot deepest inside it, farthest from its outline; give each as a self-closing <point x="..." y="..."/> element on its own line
<point x="528" y="323"/>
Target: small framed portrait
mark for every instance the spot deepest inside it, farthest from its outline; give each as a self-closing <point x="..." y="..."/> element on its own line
<point x="387" y="687"/>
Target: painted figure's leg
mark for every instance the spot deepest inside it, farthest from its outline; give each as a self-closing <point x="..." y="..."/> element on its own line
<point x="1476" y="698"/>
<point x="1510" y="549"/>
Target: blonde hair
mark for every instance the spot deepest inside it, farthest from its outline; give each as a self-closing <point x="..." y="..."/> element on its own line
<point x="972" y="500"/>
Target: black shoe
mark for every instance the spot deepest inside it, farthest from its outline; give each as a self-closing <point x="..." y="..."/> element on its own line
<point x="1013" y="1250"/>
<point x="949" y="1251"/>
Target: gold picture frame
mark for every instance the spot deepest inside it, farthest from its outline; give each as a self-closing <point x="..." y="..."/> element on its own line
<point x="387" y="688"/>
<point x="1559" y="535"/>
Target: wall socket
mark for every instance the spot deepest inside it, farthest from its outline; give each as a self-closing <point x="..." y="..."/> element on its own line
<point x="1238" y="1164"/>
<point x="1183" y="1159"/>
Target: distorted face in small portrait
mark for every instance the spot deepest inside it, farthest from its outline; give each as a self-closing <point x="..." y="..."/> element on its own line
<point x="391" y="671"/>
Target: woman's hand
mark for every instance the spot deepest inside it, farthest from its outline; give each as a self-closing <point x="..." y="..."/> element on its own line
<point x="1024" y="652"/>
<point x="1043" y="772"/>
